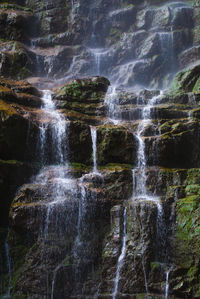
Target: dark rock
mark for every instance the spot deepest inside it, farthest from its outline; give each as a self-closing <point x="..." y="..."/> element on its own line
<point x="115" y="145"/>
<point x="80" y="142"/>
<point x="177" y="147"/>
<point x="18" y="23"/>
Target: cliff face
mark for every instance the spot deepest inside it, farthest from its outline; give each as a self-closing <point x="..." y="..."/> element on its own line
<point x="99" y="178"/>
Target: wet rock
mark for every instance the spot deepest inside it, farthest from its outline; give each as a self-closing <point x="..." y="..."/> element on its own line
<point x="109" y="139"/>
<point x="192" y="55"/>
<point x="187" y="80"/>
<point x="150" y="47"/>
<point x="18" y="22"/>
<point x="177" y="147"/>
<point x="8" y="95"/>
<point x="13" y="174"/>
<point x="83" y="99"/>
<point x="82" y="89"/>
<point x="18" y="138"/>
<point x="185" y="274"/>
<point x="80" y="142"/>
<point x="15" y="61"/>
<point x="161" y="17"/>
<point x="182" y="17"/>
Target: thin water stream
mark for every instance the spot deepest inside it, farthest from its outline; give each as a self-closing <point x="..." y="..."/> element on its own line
<point x="121" y="257"/>
<point x="93" y="131"/>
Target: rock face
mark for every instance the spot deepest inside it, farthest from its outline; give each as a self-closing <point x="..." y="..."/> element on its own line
<point x="99" y="178"/>
<point x="73" y="38"/>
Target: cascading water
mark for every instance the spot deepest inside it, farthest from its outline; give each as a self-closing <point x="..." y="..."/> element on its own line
<point x="128" y="67"/>
<point x="112" y="101"/>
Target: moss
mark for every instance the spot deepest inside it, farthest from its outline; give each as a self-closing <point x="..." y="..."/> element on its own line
<point x="12" y="162"/>
<point x="6" y="110"/>
<point x="83" y="88"/>
<point x="6" y="5"/>
<point x="116" y="167"/>
<point x="114" y="35"/>
<point x="196" y="87"/>
<point x="187" y="80"/>
<point x="126" y="5"/>
<point x="79" y="166"/>
<point x="154" y="265"/>
<point x="188" y="227"/>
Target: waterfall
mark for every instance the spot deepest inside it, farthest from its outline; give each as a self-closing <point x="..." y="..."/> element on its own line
<point x="138" y="47"/>
<point x="53" y="131"/>
<point x="94" y="148"/>
<point x="111" y="102"/>
<point x="140" y="181"/>
<point x="121" y="257"/>
<point x="167" y="285"/>
<point x="58" y="127"/>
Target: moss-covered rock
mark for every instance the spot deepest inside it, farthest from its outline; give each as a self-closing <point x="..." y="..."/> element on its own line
<point x="187" y="80"/>
<point x="186" y="243"/>
<point x="83" y="90"/>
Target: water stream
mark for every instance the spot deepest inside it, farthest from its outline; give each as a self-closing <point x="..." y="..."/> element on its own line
<point x="167" y="284"/>
<point x="121" y="257"/>
<point x="94" y="148"/>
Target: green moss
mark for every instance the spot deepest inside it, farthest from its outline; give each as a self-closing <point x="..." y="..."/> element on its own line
<point x="126" y="5"/>
<point x="186" y="81"/>
<point x="192" y="190"/>
<point x="188" y="227"/>
<point x="116" y="167"/>
<point x="6" y="5"/>
<point x="13" y="162"/>
<point x="114" y="35"/>
<point x="154" y="265"/>
<point x="79" y="166"/>
<point x="196" y="87"/>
